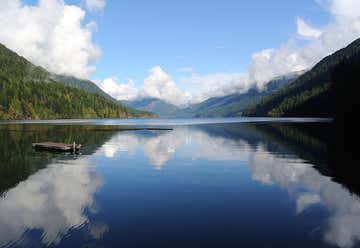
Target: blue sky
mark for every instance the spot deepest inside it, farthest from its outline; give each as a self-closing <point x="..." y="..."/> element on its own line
<point x="209" y="36"/>
<point x="180" y="51"/>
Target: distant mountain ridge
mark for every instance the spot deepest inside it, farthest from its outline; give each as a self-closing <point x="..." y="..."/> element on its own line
<point x="234" y="104"/>
<point x="313" y="94"/>
<point x="83" y="84"/>
<point x="30" y="92"/>
<point x="157" y="106"/>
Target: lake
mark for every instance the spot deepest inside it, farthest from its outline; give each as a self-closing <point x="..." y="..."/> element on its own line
<point x="196" y="183"/>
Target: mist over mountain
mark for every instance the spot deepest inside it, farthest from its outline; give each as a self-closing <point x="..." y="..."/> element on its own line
<point x="319" y="92"/>
<point x="234" y="104"/>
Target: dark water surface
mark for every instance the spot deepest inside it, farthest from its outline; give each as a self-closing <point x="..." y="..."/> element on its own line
<point x="248" y="184"/>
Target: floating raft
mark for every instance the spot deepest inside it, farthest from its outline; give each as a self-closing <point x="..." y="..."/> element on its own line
<point x="60" y="147"/>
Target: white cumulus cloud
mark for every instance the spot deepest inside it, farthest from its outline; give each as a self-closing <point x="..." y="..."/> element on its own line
<point x="95" y="5"/>
<point x="291" y="56"/>
<point x="120" y="91"/>
<point x="343" y="28"/>
<point x="345" y="9"/>
<point x="307" y="31"/>
<point x="216" y="84"/>
<point x="51" y="34"/>
<point x="158" y="84"/>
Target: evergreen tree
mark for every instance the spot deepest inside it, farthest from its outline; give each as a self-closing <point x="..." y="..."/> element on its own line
<point x="29" y="92"/>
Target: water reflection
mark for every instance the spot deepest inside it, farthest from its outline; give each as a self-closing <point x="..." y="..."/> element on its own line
<point x="343" y="225"/>
<point x="18" y="160"/>
<point x="57" y="197"/>
<point x="160" y="147"/>
<point x="52" y="200"/>
<point x="304" y="183"/>
<point x="98" y="230"/>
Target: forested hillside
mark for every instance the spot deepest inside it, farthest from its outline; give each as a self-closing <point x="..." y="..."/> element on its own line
<point x="83" y="84"/>
<point x="234" y="104"/>
<point x="157" y="106"/>
<point x="28" y="92"/>
<point x="315" y="94"/>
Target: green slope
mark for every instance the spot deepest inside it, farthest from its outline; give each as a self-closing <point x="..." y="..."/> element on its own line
<point x="29" y="92"/>
<point x="312" y="94"/>
<point x="226" y="106"/>
<point x="157" y="106"/>
<point x="84" y="84"/>
<point x="234" y="104"/>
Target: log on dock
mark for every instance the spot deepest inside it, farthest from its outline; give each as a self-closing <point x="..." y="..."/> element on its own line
<point x="52" y="146"/>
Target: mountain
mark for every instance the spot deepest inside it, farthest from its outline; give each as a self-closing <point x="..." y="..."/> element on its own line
<point x="157" y="106"/>
<point x="30" y="92"/>
<point x="321" y="92"/>
<point x="234" y="104"/>
<point x="84" y="84"/>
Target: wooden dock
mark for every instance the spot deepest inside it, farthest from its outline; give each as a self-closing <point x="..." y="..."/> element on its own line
<point x="59" y="147"/>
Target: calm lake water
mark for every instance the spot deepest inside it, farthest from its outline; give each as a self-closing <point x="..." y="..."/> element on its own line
<point x="205" y="183"/>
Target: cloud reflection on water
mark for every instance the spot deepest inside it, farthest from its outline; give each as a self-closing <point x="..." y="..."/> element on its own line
<point x="160" y="147"/>
<point x="53" y="200"/>
<point x="343" y="226"/>
<point x="291" y="173"/>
